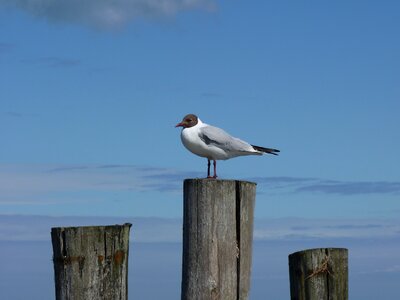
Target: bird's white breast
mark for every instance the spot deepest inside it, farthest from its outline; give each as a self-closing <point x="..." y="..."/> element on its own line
<point x="191" y="140"/>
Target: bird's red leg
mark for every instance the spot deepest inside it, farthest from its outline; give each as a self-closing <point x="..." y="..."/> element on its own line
<point x="208" y="168"/>
<point x="215" y="169"/>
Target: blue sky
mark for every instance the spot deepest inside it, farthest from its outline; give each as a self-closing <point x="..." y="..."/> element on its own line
<point x="89" y="97"/>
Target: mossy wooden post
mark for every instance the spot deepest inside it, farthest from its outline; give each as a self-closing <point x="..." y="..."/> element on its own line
<point x="91" y="262"/>
<point x="217" y="239"/>
<point x="317" y="274"/>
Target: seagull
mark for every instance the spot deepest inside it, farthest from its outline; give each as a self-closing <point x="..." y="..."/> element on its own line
<point x="214" y="143"/>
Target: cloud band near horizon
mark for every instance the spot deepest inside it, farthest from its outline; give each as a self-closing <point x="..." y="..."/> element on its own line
<point x="151" y="229"/>
<point x="29" y="183"/>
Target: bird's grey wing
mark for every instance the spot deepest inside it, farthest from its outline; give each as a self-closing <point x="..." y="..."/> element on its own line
<point x="219" y="138"/>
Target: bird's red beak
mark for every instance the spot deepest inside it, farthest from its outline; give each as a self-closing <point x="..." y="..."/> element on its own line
<point x="179" y="125"/>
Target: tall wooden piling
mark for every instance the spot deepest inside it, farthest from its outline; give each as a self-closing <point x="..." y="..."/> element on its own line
<point x="91" y="263"/>
<point x="217" y="239"/>
<point x="317" y="274"/>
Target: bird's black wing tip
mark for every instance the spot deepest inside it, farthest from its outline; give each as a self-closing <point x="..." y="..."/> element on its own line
<point x="266" y="150"/>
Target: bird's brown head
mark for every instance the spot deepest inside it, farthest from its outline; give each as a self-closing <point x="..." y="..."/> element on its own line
<point x="188" y="121"/>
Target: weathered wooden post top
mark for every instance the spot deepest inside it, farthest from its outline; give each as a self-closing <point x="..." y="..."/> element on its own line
<point x="91" y="262"/>
<point x="317" y="274"/>
<point x="217" y="239"/>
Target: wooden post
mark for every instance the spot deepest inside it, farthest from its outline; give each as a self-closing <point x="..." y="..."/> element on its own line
<point x="317" y="274"/>
<point x="91" y="263"/>
<point x="217" y="239"/>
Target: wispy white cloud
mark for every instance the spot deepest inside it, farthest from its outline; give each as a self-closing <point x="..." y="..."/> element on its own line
<point x="150" y="229"/>
<point x="353" y="188"/>
<point x="390" y="269"/>
<point x="317" y="185"/>
<point x="104" y="13"/>
<point x="37" y="228"/>
<point x="16" y="114"/>
<point x="54" y="62"/>
<point x="303" y="229"/>
<point x="12" y="114"/>
<point x="38" y="184"/>
<point x="387" y="269"/>
<point x="22" y="184"/>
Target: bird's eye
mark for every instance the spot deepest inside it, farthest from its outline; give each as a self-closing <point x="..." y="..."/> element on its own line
<point x="188" y="120"/>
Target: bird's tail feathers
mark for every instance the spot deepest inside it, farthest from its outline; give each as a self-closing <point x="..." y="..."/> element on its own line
<point x="266" y="150"/>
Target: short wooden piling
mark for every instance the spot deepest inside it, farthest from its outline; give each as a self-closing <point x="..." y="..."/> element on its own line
<point x="217" y="239"/>
<point x="317" y="274"/>
<point x="91" y="263"/>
